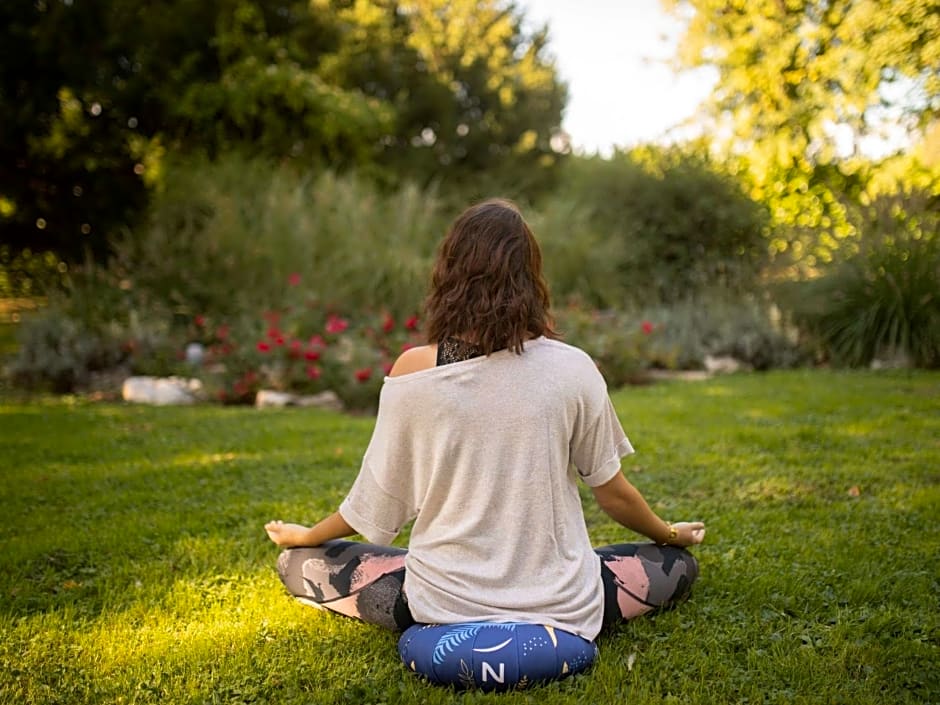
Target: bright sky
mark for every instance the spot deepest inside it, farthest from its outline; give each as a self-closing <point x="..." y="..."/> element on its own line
<point x="614" y="56"/>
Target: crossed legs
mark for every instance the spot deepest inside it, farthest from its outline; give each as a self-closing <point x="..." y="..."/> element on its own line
<point x="366" y="581"/>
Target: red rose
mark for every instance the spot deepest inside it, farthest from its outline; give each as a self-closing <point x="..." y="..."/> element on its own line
<point x="311" y="355"/>
<point x="222" y="332"/>
<point x="647" y="327"/>
<point x="274" y="333"/>
<point x="335" y="324"/>
<point x="294" y="279"/>
<point x="388" y="324"/>
<point x="295" y="346"/>
<point x="363" y="374"/>
<point x="200" y="321"/>
<point x="317" y="341"/>
<point x="263" y="347"/>
<point x="412" y="323"/>
<point x="313" y="372"/>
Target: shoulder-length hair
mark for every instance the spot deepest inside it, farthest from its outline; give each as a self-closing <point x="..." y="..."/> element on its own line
<point x="487" y="286"/>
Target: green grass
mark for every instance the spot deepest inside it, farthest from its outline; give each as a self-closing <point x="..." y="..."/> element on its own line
<point x="134" y="569"/>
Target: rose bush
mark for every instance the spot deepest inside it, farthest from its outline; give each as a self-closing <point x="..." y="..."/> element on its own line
<point x="307" y="347"/>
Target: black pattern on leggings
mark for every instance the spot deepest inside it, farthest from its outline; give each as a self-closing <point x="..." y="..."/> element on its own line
<point x="366" y="581"/>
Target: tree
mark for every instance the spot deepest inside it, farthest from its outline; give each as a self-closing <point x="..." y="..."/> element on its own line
<point x="797" y="77"/>
<point x="95" y="94"/>
<point x="792" y="72"/>
<point x="473" y="91"/>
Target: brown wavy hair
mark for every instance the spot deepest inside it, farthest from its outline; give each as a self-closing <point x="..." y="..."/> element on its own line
<point x="487" y="286"/>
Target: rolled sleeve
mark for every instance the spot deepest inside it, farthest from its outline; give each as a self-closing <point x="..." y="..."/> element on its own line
<point x="599" y="442"/>
<point x="372" y="511"/>
<point x="609" y="468"/>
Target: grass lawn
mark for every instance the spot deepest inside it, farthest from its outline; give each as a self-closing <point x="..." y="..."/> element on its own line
<point x="134" y="567"/>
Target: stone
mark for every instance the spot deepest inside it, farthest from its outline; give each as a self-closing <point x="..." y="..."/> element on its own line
<point x="724" y="364"/>
<point x="892" y="360"/>
<point x="324" y="400"/>
<point x="269" y="398"/>
<point x="161" y="391"/>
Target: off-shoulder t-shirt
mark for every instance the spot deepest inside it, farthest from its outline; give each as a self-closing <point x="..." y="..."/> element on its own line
<point x="485" y="455"/>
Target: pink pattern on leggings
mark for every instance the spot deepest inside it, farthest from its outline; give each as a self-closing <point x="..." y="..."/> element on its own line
<point x="373" y="566"/>
<point x="632" y="582"/>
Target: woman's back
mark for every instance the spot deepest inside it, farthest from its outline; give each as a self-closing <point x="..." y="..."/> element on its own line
<point x="482" y="448"/>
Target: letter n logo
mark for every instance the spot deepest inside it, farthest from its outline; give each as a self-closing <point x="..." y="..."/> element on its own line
<point x="499" y="678"/>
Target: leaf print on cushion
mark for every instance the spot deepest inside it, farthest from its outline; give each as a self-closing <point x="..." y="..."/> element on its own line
<point x="460" y="633"/>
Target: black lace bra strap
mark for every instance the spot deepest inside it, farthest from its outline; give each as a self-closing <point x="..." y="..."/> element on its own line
<point x="456" y="350"/>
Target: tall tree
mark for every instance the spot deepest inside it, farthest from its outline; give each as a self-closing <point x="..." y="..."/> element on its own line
<point x="793" y="72"/>
<point x="798" y="80"/>
<point x="94" y="93"/>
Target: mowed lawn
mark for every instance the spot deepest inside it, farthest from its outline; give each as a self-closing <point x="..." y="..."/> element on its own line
<point x="134" y="567"/>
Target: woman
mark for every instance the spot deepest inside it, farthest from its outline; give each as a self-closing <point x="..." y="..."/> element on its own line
<point x="481" y="437"/>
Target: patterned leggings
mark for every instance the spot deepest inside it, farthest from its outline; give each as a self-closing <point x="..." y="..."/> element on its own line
<point x="365" y="581"/>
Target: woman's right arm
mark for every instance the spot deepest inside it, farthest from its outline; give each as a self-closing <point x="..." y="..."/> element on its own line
<point x="289" y="535"/>
<point x="623" y="503"/>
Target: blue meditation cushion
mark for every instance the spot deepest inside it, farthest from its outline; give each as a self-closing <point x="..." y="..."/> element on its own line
<point x="493" y="655"/>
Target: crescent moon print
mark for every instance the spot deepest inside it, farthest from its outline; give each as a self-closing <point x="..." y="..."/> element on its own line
<point x="491" y="649"/>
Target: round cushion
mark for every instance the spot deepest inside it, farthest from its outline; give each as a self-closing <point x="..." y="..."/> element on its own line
<point x="493" y="655"/>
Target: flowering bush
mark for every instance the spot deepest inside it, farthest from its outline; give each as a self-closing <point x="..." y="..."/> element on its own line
<point x="307" y="347"/>
<point x="619" y="344"/>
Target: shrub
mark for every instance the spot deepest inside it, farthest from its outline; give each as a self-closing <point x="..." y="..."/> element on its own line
<point x="717" y="324"/>
<point x="619" y="343"/>
<point x="664" y="225"/>
<point x="225" y="235"/>
<point x="58" y="354"/>
<point x="305" y="347"/>
<point x="884" y="299"/>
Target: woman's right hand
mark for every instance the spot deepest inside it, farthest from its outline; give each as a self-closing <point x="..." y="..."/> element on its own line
<point x="287" y="535"/>
<point x="688" y="533"/>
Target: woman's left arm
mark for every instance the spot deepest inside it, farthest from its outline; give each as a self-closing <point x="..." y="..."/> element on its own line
<point x="623" y="502"/>
<point x="290" y="535"/>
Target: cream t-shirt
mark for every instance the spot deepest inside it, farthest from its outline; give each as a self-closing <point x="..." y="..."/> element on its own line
<point x="485" y="455"/>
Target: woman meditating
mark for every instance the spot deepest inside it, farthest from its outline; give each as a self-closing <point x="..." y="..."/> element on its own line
<point x="481" y="438"/>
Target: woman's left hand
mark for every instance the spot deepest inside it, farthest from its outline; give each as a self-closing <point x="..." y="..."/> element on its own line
<point x="286" y="535"/>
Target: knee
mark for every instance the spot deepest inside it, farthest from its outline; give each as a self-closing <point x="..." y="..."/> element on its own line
<point x="684" y="567"/>
<point x="671" y="571"/>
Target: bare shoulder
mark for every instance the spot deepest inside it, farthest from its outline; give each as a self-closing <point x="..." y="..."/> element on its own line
<point x="414" y="359"/>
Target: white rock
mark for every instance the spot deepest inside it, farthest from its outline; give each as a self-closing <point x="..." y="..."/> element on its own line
<point x="717" y="365"/>
<point x="161" y="390"/>
<point x="897" y="360"/>
<point x="272" y="399"/>
<point x="323" y="400"/>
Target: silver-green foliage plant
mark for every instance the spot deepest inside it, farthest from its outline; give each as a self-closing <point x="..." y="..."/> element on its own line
<point x="884" y="299"/>
<point x="717" y="324"/>
<point x="58" y="354"/>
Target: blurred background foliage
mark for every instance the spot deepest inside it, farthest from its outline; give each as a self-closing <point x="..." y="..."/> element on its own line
<point x="166" y="164"/>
